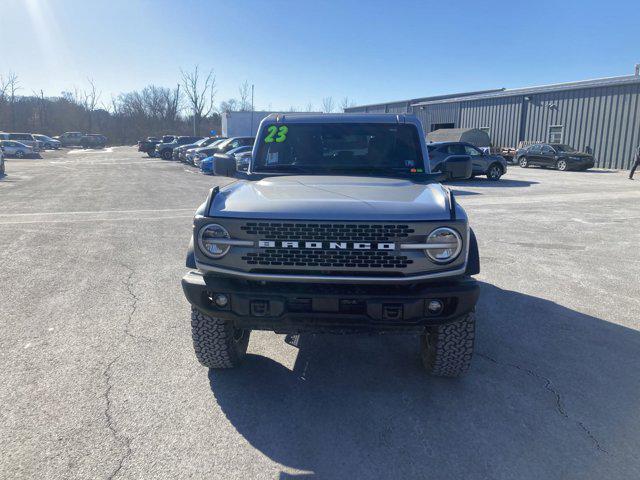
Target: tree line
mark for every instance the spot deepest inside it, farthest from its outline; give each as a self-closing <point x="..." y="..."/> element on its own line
<point x="187" y="109"/>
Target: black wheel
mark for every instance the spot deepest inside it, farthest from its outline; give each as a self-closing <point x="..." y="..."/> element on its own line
<point x="218" y="344"/>
<point x="19" y="154"/>
<point x="523" y="162"/>
<point x="494" y="171"/>
<point x="48" y="146"/>
<point x="447" y="349"/>
<point x="562" y="165"/>
<point x="167" y="154"/>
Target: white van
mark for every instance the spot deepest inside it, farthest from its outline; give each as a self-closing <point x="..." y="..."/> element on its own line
<point x="24" y="138"/>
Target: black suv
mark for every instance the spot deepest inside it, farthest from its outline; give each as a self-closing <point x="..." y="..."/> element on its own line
<point x="493" y="166"/>
<point x="165" y="150"/>
<point x="554" y="155"/>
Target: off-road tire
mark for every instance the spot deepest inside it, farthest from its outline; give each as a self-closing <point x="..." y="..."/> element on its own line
<point x="523" y="162"/>
<point x="218" y="344"/>
<point x="447" y="349"/>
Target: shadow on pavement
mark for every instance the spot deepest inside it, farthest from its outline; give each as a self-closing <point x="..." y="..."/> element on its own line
<point x="503" y="183"/>
<point x="551" y="390"/>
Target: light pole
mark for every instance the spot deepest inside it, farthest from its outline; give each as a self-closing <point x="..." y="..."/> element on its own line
<point x="251" y="132"/>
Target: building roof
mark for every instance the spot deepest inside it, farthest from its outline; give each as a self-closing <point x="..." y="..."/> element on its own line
<point x="556" y="87"/>
<point x="422" y="99"/>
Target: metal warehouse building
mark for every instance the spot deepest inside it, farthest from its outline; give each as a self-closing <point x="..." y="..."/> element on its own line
<point x="601" y="114"/>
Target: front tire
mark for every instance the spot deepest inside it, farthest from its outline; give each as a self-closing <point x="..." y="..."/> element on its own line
<point x="562" y="165"/>
<point x="217" y="343"/>
<point x="494" y="172"/>
<point x="447" y="349"/>
<point x="167" y="154"/>
<point x="523" y="162"/>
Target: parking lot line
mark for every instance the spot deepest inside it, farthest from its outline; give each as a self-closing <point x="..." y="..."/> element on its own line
<point x="98" y="212"/>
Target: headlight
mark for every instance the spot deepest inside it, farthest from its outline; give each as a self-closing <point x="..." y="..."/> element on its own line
<point x="208" y="240"/>
<point x="444" y="245"/>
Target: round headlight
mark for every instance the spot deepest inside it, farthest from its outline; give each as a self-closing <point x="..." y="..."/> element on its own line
<point x="208" y="240"/>
<point x="444" y="245"/>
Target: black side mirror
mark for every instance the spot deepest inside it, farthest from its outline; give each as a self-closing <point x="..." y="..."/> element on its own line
<point x="457" y="167"/>
<point x="224" y="166"/>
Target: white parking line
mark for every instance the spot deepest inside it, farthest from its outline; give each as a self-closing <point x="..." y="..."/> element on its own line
<point x="87" y="220"/>
<point x="99" y="212"/>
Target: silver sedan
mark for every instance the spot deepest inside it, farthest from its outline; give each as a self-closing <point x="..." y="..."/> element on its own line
<point x="17" y="149"/>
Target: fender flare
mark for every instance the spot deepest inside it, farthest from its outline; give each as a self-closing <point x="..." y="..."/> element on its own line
<point x="473" y="262"/>
<point x="191" y="257"/>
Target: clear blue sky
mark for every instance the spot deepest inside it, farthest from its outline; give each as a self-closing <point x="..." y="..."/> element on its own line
<point x="296" y="52"/>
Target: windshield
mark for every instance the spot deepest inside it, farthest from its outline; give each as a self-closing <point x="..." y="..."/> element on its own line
<point x="389" y="149"/>
<point x="563" y="148"/>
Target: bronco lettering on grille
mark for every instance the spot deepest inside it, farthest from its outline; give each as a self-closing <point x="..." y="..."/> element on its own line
<point x="327" y="245"/>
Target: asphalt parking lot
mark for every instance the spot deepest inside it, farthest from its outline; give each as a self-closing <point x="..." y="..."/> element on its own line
<point x="100" y="380"/>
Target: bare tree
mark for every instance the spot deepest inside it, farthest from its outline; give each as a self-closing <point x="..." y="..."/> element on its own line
<point x="200" y="93"/>
<point x="346" y="103"/>
<point x="245" y="97"/>
<point x="309" y="107"/>
<point x="230" y="105"/>
<point x="8" y="88"/>
<point x="327" y="104"/>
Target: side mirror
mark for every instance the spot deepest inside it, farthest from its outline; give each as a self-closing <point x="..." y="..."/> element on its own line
<point x="224" y="166"/>
<point x="457" y="167"/>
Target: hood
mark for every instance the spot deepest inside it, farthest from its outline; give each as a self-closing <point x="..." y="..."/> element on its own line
<point x="314" y="197"/>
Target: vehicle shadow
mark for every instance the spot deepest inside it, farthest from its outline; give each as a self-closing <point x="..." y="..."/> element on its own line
<point x="550" y="390"/>
<point x="483" y="182"/>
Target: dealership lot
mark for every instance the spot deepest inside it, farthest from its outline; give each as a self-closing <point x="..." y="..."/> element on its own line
<point x="96" y="344"/>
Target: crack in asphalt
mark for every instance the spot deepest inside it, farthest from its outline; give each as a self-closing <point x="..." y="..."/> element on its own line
<point x="134" y="304"/>
<point x="548" y="385"/>
<point x="123" y="440"/>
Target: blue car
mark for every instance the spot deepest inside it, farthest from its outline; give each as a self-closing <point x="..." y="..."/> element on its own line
<point x="206" y="166"/>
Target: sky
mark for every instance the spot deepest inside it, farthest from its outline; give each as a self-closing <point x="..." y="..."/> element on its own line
<point x="298" y="52"/>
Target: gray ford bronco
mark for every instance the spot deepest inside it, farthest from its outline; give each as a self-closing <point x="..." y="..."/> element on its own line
<point x="338" y="226"/>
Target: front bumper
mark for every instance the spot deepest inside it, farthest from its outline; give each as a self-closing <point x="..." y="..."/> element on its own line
<point x="296" y="308"/>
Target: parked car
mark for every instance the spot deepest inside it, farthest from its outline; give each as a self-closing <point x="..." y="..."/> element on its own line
<point x="190" y="154"/>
<point x="165" y="150"/>
<point x="17" y="149"/>
<point x="148" y="146"/>
<point x="554" y="155"/>
<point x="227" y="145"/>
<point x="243" y="160"/>
<point x="180" y="153"/>
<point x="206" y="165"/>
<point x="69" y="139"/>
<point x="48" y="143"/>
<point x="24" y="138"/>
<point x="93" y="140"/>
<point x="493" y="166"/>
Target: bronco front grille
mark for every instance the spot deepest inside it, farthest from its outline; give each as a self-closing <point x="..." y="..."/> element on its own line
<point x="327" y="258"/>
<point x="345" y="232"/>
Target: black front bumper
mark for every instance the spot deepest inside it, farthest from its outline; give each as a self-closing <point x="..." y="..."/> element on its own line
<point x="295" y="308"/>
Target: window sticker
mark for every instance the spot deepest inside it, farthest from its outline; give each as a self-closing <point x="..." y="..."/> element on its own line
<point x="281" y="134"/>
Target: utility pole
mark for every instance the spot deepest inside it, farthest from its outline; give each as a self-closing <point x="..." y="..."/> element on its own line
<point x="251" y="131"/>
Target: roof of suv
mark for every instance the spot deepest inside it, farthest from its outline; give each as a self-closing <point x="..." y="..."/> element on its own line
<point x="340" y="118"/>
